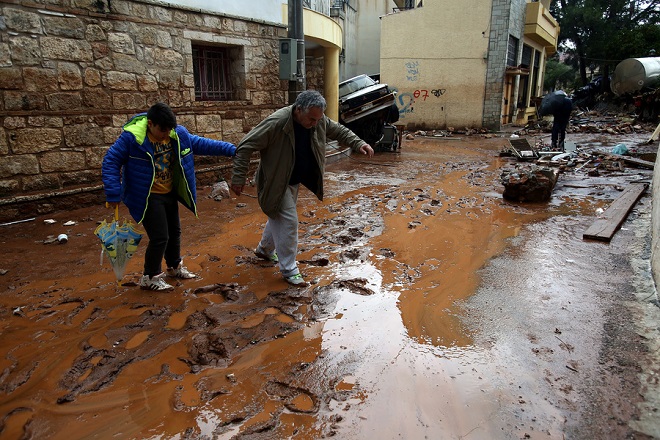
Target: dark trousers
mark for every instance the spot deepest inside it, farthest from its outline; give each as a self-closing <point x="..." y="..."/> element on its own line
<point x="562" y="116"/>
<point x="162" y="225"/>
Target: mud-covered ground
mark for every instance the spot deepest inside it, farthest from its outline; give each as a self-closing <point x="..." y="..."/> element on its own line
<point x="437" y="310"/>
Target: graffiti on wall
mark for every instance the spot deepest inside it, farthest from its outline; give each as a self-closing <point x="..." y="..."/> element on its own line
<point x="412" y="70"/>
<point x="407" y="100"/>
<point x="425" y="93"/>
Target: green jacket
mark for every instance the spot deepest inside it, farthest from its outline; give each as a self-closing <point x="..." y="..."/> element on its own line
<point x="274" y="139"/>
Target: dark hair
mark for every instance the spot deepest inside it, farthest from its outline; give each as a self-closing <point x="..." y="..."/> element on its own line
<point x="309" y="99"/>
<point x="162" y="115"/>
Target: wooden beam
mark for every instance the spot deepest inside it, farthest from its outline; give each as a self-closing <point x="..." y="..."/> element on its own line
<point x="604" y="228"/>
<point x="655" y="134"/>
<point x="633" y="161"/>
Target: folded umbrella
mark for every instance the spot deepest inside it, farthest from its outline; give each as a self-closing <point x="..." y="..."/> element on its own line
<point x="119" y="241"/>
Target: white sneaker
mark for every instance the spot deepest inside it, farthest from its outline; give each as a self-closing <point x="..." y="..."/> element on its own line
<point x="155" y="282"/>
<point x="180" y="272"/>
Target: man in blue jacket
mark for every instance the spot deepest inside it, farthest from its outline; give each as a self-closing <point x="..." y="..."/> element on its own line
<point x="150" y="168"/>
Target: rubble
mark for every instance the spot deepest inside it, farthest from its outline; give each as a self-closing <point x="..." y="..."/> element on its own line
<point x="529" y="184"/>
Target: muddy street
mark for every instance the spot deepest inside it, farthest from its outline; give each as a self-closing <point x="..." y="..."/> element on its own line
<point x="437" y="310"/>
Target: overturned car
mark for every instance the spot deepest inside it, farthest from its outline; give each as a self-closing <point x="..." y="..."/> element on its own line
<point x="368" y="108"/>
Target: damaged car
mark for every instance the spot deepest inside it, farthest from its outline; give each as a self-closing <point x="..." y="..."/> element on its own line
<point x="368" y="108"/>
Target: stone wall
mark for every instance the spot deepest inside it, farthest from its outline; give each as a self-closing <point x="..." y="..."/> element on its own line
<point x="72" y="72"/>
<point x="499" y="27"/>
<point x="314" y="73"/>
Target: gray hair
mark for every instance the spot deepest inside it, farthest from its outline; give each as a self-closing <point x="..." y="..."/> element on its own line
<point x="309" y="99"/>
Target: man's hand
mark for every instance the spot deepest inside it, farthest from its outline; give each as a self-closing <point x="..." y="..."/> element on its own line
<point x="366" y="149"/>
<point x="238" y="189"/>
<point x="112" y="205"/>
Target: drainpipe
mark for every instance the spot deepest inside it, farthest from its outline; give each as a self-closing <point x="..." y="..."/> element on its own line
<point x="296" y="32"/>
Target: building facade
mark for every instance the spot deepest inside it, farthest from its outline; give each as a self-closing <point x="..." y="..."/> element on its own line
<point x="73" y="72"/>
<point x="469" y="63"/>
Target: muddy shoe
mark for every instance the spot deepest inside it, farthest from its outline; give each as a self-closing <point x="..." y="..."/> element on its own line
<point x="296" y="280"/>
<point x="261" y="254"/>
<point x="180" y="272"/>
<point x="155" y="282"/>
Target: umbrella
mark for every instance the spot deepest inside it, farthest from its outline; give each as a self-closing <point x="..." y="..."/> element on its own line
<point x="552" y="102"/>
<point x="119" y="241"/>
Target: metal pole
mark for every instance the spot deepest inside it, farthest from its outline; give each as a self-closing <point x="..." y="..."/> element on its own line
<point x="296" y="32"/>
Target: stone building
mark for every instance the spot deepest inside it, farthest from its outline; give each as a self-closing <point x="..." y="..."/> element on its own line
<point x="72" y="72"/>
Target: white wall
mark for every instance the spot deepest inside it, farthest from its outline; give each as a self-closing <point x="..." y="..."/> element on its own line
<point x="655" y="223"/>
<point x="265" y="10"/>
<point x="368" y="33"/>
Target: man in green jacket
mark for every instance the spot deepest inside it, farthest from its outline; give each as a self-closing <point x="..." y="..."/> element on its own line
<point x="291" y="143"/>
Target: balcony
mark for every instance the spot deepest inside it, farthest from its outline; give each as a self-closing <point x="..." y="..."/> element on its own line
<point x="541" y="27"/>
<point x="320" y="6"/>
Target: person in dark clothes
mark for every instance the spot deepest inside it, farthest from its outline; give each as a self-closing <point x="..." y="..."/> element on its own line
<point x="560" y="106"/>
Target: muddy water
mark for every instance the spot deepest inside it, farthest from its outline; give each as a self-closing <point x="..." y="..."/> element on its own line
<point x="416" y="324"/>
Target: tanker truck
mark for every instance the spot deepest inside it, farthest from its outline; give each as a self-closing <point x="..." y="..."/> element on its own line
<point x="632" y="75"/>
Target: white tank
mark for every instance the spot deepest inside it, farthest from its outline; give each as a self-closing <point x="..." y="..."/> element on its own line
<point x="633" y="74"/>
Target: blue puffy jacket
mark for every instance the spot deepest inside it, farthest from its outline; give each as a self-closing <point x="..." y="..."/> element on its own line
<point x="128" y="166"/>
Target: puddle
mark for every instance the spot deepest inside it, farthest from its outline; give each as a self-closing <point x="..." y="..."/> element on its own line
<point x="432" y="299"/>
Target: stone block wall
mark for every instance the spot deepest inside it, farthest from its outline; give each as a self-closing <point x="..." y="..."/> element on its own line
<point x="72" y="72"/>
<point x="498" y="40"/>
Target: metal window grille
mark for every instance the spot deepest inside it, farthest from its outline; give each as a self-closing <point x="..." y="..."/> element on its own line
<point x="211" y="72"/>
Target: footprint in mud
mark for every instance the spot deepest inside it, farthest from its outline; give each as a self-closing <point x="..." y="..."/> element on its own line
<point x="321" y="262"/>
<point x="356" y="285"/>
<point x="342" y="239"/>
<point x="387" y="253"/>
<point x="295" y="399"/>
<point x="352" y="255"/>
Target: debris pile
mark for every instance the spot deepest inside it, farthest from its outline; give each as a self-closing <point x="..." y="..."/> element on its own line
<point x="529" y="184"/>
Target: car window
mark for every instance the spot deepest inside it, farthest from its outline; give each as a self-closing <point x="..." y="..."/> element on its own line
<point x="355" y="84"/>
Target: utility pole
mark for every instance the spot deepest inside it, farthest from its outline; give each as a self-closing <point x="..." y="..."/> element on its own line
<point x="296" y="32"/>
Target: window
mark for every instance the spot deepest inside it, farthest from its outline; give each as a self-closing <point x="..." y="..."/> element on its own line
<point x="535" y="73"/>
<point x="525" y="62"/>
<point x="512" y="52"/>
<point x="211" y="69"/>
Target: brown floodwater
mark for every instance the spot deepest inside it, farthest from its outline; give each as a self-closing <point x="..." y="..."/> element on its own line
<point x="416" y="324"/>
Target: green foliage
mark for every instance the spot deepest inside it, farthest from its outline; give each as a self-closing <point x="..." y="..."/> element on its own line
<point x="602" y="33"/>
<point x="558" y="75"/>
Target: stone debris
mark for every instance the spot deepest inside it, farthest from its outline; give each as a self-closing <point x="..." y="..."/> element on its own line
<point x="529" y="184"/>
<point x="220" y="191"/>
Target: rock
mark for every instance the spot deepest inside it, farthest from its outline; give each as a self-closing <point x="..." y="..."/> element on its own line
<point x="530" y="184"/>
<point x="220" y="191"/>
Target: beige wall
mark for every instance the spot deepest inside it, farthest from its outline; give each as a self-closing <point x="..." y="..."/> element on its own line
<point x="655" y="223"/>
<point x="440" y="80"/>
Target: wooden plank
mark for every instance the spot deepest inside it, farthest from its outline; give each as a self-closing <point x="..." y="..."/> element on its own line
<point x="603" y="229"/>
<point x="655" y="134"/>
<point x="634" y="161"/>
